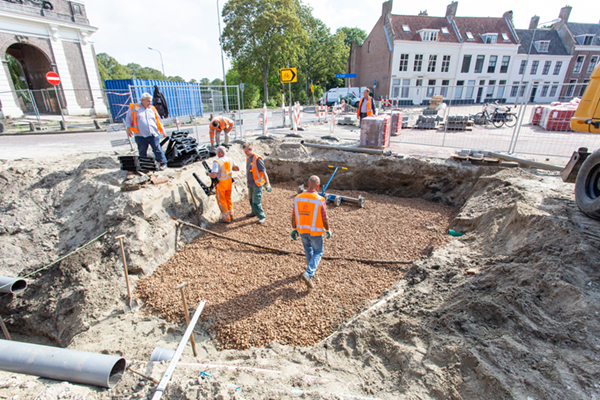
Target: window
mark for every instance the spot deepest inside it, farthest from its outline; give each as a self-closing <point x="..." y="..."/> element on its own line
<point x="418" y="62"/>
<point x="76" y="9"/>
<point x="514" y="89"/>
<point x="592" y="64"/>
<point x="557" y="67"/>
<point x="406" y="28"/>
<point x="588" y="39"/>
<point x="554" y="89"/>
<point x="419" y="82"/>
<point x="490" y="91"/>
<point x="431" y="65"/>
<point x="445" y="31"/>
<point x="446" y="64"/>
<point x="578" y="64"/>
<point x="522" y="67"/>
<point x="403" y="62"/>
<point x="395" y="88"/>
<point x="522" y="91"/>
<point x="546" y="69"/>
<point x="369" y="47"/>
<point x="431" y="88"/>
<point x="444" y="90"/>
<point x="466" y="65"/>
<point x="405" y="88"/>
<point x="571" y="87"/>
<point x="429" y="35"/>
<point x="470" y="37"/>
<point x="470" y="89"/>
<point x="500" y="93"/>
<point x="542" y="46"/>
<point x="459" y="89"/>
<point x="505" y="37"/>
<point x="583" y="87"/>
<point x="492" y="64"/>
<point x="490" y="38"/>
<point x="479" y="64"/>
<point x="534" y="67"/>
<point x="504" y="65"/>
<point x="545" y="89"/>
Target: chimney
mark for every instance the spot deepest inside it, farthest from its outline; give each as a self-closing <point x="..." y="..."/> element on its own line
<point x="386" y="8"/>
<point x="508" y="15"/>
<point x="564" y="14"/>
<point x="535" y="21"/>
<point x="451" y="10"/>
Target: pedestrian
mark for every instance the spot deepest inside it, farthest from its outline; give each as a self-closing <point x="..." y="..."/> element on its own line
<point x="310" y="221"/>
<point x="366" y="106"/>
<point x="258" y="178"/>
<point x="218" y="125"/>
<point x="143" y="123"/>
<point x="222" y="170"/>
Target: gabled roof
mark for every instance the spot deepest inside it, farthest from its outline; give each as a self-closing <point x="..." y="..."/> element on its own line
<point x="418" y="22"/>
<point x="578" y="29"/>
<point x="557" y="46"/>
<point x="479" y="26"/>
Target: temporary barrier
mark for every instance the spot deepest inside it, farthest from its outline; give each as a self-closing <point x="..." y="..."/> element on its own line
<point x="295" y="117"/>
<point x="321" y="112"/>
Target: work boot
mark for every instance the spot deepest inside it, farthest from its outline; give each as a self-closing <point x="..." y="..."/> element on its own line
<point x="250" y="215"/>
<point x="308" y="281"/>
<point x="261" y="221"/>
<point x="162" y="166"/>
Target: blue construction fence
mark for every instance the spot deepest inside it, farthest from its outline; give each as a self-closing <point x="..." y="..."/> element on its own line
<point x="183" y="98"/>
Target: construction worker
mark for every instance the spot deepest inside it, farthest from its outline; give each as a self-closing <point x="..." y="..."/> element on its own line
<point x="218" y="125"/>
<point x="310" y="221"/>
<point x="222" y="170"/>
<point x="257" y="177"/>
<point x="143" y="123"/>
<point x="366" y="106"/>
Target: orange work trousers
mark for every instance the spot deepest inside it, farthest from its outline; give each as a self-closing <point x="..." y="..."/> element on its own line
<point x="224" y="199"/>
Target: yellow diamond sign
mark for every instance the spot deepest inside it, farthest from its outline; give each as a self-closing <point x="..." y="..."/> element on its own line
<point x="288" y="75"/>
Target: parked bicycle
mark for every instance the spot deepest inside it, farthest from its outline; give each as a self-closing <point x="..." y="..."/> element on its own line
<point x="499" y="117"/>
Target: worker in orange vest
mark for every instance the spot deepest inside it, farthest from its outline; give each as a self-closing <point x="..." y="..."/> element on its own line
<point x="143" y="123"/>
<point x="222" y="169"/>
<point x="218" y="125"/>
<point x="258" y="179"/>
<point x="310" y="222"/>
<point x="366" y="106"/>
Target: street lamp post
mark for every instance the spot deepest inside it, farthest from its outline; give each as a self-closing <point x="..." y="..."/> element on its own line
<point x="222" y="58"/>
<point x="161" y="61"/>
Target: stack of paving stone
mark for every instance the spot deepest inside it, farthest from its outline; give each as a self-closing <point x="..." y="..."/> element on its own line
<point x="428" y="121"/>
<point x="137" y="163"/>
<point x="458" y="122"/>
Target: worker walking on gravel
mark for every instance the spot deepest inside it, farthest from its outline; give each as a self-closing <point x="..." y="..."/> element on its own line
<point x="222" y="170"/>
<point x="310" y="222"/>
<point x="257" y="177"/>
<point x="218" y="125"/>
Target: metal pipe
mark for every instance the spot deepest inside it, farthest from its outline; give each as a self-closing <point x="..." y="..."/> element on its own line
<point x="352" y="149"/>
<point x="526" y="163"/>
<point x="12" y="285"/>
<point x="61" y="364"/>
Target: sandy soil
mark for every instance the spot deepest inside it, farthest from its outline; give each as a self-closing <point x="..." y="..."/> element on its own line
<point x="509" y="310"/>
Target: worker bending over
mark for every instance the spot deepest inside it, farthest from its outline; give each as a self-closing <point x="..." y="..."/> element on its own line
<point x="218" y="125"/>
<point x="310" y="221"/>
<point x="222" y="170"/>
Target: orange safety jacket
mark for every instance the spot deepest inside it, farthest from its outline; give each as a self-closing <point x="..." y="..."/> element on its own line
<point x="258" y="176"/>
<point x="224" y="169"/>
<point x="369" y="107"/>
<point x="225" y="124"/>
<point x="307" y="209"/>
<point x="134" y="125"/>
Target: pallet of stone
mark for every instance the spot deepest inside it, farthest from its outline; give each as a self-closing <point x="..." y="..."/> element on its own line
<point x="428" y="122"/>
<point x="375" y="131"/>
<point x="481" y="160"/>
<point x="137" y="163"/>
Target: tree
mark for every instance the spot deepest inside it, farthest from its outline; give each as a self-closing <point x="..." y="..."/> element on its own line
<point x="111" y="68"/>
<point x="217" y="82"/>
<point x="204" y="81"/>
<point x="16" y="73"/>
<point x="358" y="35"/>
<point x="261" y="33"/>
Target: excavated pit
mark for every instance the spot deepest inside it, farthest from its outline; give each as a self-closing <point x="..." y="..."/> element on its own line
<point x="509" y="310"/>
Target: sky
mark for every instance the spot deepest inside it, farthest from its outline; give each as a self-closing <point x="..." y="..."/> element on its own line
<point x="186" y="32"/>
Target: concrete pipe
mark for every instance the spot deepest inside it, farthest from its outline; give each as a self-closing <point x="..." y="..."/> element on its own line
<point x="61" y="364"/>
<point x="12" y="285"/>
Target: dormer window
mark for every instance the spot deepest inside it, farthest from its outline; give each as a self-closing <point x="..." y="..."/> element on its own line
<point x="470" y="36"/>
<point x="445" y="31"/>
<point x="505" y="37"/>
<point x="489" y="38"/>
<point x="586" y="40"/>
<point x="429" y="35"/>
<point x="542" y="46"/>
<point x="406" y="28"/>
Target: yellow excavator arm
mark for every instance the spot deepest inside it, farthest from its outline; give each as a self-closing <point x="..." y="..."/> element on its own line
<point x="587" y="116"/>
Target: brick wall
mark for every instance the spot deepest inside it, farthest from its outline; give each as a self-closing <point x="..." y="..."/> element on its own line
<point x="78" y="74"/>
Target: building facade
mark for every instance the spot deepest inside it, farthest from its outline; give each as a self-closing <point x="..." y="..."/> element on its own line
<point x="49" y="36"/>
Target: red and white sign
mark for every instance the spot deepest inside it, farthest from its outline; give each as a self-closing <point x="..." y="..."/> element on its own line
<point x="53" y="78"/>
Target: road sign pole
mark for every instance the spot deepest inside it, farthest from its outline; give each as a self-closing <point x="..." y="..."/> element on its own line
<point x="60" y="107"/>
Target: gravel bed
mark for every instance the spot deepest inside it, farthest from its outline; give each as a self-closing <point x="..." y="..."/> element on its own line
<point x="255" y="297"/>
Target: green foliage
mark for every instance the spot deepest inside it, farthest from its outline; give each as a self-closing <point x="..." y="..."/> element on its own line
<point x="16" y="72"/>
<point x="251" y="96"/>
<point x="217" y="82"/>
<point x="205" y="81"/>
<point x="358" y="35"/>
<point x="271" y="103"/>
<point x="111" y="69"/>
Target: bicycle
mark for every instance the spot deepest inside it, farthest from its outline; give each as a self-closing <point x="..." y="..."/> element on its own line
<point x="498" y="118"/>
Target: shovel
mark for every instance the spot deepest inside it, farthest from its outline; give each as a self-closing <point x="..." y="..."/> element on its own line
<point x="132" y="302"/>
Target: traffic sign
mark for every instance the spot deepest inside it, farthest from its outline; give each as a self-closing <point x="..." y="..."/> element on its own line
<point x="374" y="83"/>
<point x="53" y="78"/>
<point x="345" y="75"/>
<point x="312" y="88"/>
<point x="288" y="75"/>
<point x="242" y="87"/>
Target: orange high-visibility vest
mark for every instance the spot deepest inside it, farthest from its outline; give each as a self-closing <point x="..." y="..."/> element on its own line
<point x="307" y="208"/>
<point x="134" y="125"/>
<point x="369" y="107"/>
<point x="224" y="124"/>
<point x="258" y="176"/>
<point x="224" y="169"/>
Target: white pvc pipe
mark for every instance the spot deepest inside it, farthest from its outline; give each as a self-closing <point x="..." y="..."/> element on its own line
<point x="12" y="285"/>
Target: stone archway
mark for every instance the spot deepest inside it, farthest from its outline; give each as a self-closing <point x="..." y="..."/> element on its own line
<point x="35" y="65"/>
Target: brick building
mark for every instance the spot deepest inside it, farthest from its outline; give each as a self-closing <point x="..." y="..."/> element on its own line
<point x="44" y="36"/>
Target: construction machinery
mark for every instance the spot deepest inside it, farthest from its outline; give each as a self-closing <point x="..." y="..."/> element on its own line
<point x="334" y="198"/>
<point x="584" y="168"/>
